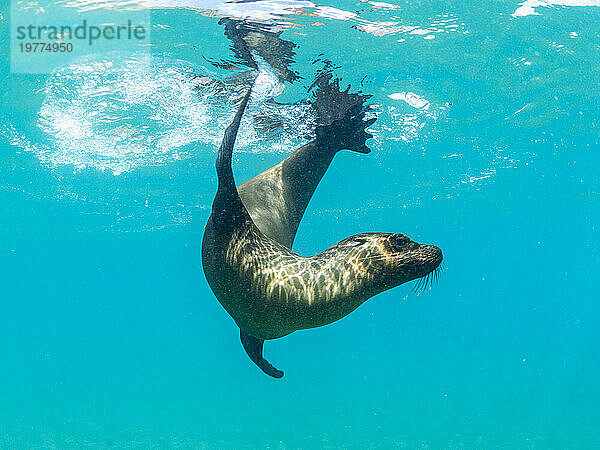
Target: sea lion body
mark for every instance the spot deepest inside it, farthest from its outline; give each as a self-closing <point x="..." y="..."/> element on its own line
<point x="269" y="290"/>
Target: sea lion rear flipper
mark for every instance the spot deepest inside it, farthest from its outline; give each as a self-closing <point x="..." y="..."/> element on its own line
<point x="277" y="198"/>
<point x="228" y="209"/>
<point x="254" y="347"/>
<point x="339" y="114"/>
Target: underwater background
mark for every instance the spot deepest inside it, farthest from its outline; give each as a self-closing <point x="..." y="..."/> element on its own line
<point x="486" y="145"/>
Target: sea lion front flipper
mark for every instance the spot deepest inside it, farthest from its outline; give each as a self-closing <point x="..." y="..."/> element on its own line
<point x="277" y="198"/>
<point x="254" y="348"/>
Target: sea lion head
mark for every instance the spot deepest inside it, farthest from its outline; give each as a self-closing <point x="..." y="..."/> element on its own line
<point x="391" y="259"/>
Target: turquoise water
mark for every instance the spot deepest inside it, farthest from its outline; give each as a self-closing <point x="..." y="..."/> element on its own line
<point x="486" y="145"/>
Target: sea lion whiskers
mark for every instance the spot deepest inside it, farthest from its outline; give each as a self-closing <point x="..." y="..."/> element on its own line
<point x="426" y="282"/>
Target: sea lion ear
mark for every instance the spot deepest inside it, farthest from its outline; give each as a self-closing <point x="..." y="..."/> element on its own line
<point x="254" y="347"/>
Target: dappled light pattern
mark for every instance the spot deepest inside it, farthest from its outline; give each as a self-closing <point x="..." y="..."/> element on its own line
<point x="336" y="281"/>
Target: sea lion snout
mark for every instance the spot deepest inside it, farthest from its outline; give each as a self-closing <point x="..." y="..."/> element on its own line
<point x="438" y="256"/>
<point x="429" y="258"/>
<point x="411" y="259"/>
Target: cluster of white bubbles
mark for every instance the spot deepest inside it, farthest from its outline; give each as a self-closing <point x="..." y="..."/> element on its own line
<point x="121" y="111"/>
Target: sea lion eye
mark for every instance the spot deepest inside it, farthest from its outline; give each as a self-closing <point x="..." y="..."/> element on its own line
<point x="398" y="240"/>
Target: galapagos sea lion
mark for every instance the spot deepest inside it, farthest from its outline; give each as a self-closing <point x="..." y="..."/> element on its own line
<point x="269" y="290"/>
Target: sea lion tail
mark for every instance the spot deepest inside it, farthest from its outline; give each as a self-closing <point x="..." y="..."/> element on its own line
<point x="254" y="348"/>
<point x="340" y="115"/>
